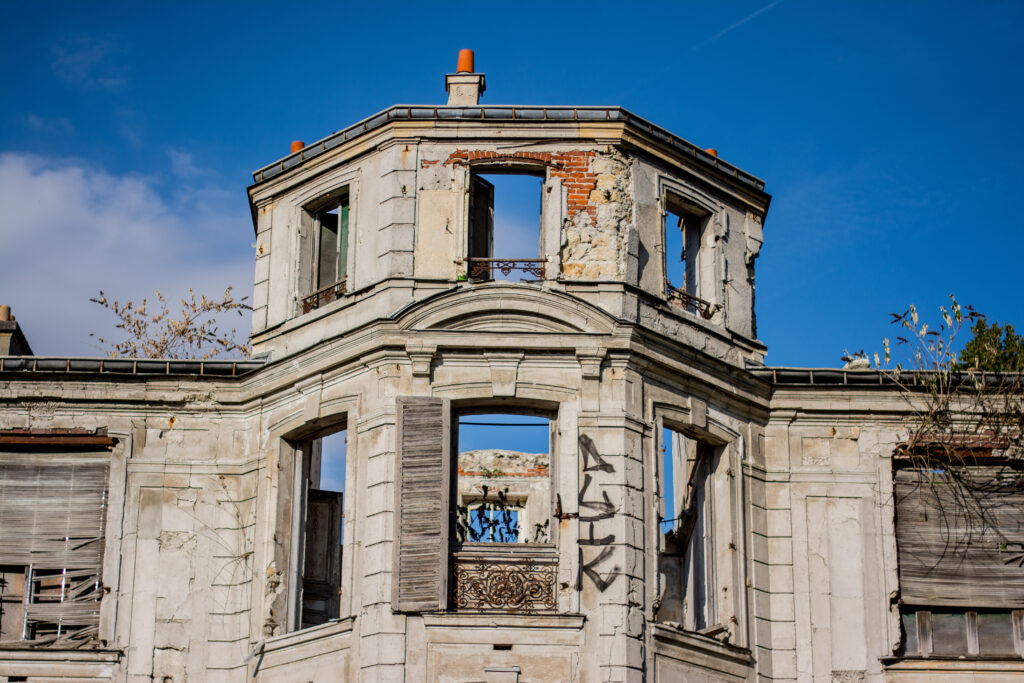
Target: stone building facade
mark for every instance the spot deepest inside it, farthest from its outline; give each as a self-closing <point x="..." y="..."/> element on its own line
<point x="309" y="515"/>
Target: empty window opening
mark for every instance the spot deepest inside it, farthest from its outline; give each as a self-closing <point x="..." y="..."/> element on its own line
<point x="503" y="485"/>
<point x="323" y="526"/>
<point x="504" y="232"/>
<point x="684" y="227"/>
<point x="687" y="525"/>
<point x="328" y="264"/>
<point x="332" y="243"/>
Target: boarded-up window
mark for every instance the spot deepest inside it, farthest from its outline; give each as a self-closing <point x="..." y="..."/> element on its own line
<point x="961" y="541"/>
<point x="52" y="516"/>
<point x="419" y="582"/>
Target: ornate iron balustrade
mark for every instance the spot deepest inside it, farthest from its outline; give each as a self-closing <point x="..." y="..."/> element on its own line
<point x="505" y="584"/>
<point x="480" y="268"/>
<point x="324" y="296"/>
<point x="690" y="302"/>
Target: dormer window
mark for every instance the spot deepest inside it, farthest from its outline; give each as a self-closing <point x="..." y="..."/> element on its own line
<point x="686" y="259"/>
<point x="329" y="262"/>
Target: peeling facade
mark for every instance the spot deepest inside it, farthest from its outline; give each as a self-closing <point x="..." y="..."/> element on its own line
<point x="707" y="518"/>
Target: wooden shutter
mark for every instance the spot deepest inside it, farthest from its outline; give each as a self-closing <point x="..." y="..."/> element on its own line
<point x="343" y="240"/>
<point x="52" y="517"/>
<point x="321" y="574"/>
<point x="481" y="218"/>
<point x="951" y="557"/>
<point x="420" y="574"/>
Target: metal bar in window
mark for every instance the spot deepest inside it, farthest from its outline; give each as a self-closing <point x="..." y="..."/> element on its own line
<point x="324" y="296"/>
<point x="690" y="302"/>
<point x="484" y="267"/>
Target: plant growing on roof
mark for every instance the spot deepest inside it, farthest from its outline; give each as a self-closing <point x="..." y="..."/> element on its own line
<point x="193" y="333"/>
<point x="964" y="445"/>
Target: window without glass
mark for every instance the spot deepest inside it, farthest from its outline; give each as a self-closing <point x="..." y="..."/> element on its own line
<point x="322" y="491"/>
<point x="688" y="523"/>
<point x="503" y="487"/>
<point x="684" y="232"/>
<point x="504" y="226"/>
<point x="52" y="518"/>
<point x="473" y="502"/>
<point x="329" y="253"/>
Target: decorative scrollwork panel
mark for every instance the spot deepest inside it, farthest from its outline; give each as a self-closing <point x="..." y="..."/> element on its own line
<point x="504" y="585"/>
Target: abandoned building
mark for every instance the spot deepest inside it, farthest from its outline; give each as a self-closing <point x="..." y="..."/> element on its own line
<point x="455" y="460"/>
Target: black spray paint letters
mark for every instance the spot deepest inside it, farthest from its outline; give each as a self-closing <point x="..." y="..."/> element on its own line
<point x="602" y="508"/>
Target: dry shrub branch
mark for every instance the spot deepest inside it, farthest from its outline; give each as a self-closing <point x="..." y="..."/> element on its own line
<point x="192" y="333"/>
<point x="964" y="442"/>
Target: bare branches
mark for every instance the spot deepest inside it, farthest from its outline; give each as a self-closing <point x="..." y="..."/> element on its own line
<point x="193" y="333"/>
<point x="964" y="442"/>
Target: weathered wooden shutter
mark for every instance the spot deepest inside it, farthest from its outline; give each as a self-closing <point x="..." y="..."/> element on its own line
<point x="951" y="554"/>
<point x="343" y="241"/>
<point x="481" y="218"/>
<point x="420" y="574"/>
<point x="52" y="517"/>
<point x="321" y="574"/>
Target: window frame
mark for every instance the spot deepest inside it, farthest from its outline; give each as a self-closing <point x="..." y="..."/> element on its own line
<point x="482" y="270"/>
<point x="302" y="450"/>
<point x="476" y="547"/>
<point x="705" y="297"/>
<point x="925" y="644"/>
<point x="313" y="293"/>
<point x="726" y="566"/>
<point x="920" y="606"/>
<point x="97" y="448"/>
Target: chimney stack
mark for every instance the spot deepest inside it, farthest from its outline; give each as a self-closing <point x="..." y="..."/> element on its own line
<point x="465" y="86"/>
<point x="12" y="339"/>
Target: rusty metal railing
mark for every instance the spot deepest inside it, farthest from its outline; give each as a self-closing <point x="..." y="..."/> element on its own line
<point x="482" y="268"/>
<point x="489" y="582"/>
<point x="691" y="303"/>
<point x="323" y="296"/>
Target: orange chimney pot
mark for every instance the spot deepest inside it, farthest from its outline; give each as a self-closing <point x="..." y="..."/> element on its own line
<point x="297" y="145"/>
<point x="465" y="65"/>
<point x="712" y="151"/>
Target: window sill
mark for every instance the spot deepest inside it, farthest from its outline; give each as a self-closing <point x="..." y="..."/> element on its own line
<point x="539" y="550"/>
<point x="306" y="635"/>
<point x="504" y="620"/>
<point x="700" y="643"/>
<point x="934" y="665"/>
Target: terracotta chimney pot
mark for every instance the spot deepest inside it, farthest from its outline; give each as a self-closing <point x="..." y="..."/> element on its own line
<point x="465" y="64"/>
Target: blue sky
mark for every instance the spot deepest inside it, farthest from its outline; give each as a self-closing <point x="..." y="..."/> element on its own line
<point x="889" y="135"/>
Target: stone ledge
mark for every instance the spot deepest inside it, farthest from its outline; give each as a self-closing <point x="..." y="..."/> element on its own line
<point x="694" y="642"/>
<point x="504" y="621"/>
<point x="306" y="635"/>
<point x="72" y="664"/>
<point x="935" y="666"/>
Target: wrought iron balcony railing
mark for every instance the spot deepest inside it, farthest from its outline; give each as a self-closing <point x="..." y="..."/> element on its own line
<point x="323" y="296"/>
<point x="505" y="583"/>
<point x="691" y="303"/>
<point x="483" y="268"/>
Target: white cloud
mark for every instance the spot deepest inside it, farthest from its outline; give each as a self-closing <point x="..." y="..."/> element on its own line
<point x="68" y="230"/>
